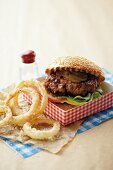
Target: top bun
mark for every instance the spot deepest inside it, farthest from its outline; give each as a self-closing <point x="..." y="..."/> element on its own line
<point x="76" y="63"/>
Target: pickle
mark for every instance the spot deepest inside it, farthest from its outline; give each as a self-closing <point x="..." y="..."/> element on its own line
<point x="75" y="77"/>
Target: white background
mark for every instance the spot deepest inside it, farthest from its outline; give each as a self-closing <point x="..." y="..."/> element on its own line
<point x="54" y="28"/>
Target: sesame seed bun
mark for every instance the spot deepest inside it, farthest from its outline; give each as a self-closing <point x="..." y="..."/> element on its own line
<point x="76" y="63"/>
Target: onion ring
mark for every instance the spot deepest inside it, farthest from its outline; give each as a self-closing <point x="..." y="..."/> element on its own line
<point x="5" y="110"/>
<point x="39" y="101"/>
<point x="40" y="88"/>
<point x="13" y="103"/>
<point x="41" y="134"/>
<point x="22" y="118"/>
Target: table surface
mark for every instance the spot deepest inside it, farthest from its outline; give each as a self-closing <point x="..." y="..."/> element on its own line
<point x="92" y="149"/>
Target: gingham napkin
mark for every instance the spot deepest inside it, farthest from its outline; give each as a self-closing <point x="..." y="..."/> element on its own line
<point x="26" y="150"/>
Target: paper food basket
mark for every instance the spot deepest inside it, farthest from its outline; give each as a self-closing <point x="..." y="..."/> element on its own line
<point x="68" y="116"/>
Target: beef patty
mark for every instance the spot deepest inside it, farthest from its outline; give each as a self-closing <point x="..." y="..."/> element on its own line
<point x="71" y="83"/>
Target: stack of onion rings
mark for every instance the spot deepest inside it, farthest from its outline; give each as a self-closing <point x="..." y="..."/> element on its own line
<point x="21" y="118"/>
<point x="39" y="101"/>
<point x="36" y="91"/>
<point x="39" y="88"/>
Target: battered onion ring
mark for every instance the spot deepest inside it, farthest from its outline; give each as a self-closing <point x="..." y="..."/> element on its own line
<point x="13" y="103"/>
<point x="39" y="101"/>
<point x="22" y="118"/>
<point x="40" y="89"/>
<point x="5" y="110"/>
<point x="41" y="134"/>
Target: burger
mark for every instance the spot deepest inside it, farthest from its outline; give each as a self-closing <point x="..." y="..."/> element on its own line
<point x="74" y="80"/>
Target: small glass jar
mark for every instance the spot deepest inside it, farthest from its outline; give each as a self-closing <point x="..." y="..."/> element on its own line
<point x="28" y="67"/>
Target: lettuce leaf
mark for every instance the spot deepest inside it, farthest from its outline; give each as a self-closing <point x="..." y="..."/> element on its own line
<point x="80" y="100"/>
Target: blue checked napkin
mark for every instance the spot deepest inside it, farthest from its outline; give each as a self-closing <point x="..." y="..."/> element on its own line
<point x="26" y="150"/>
